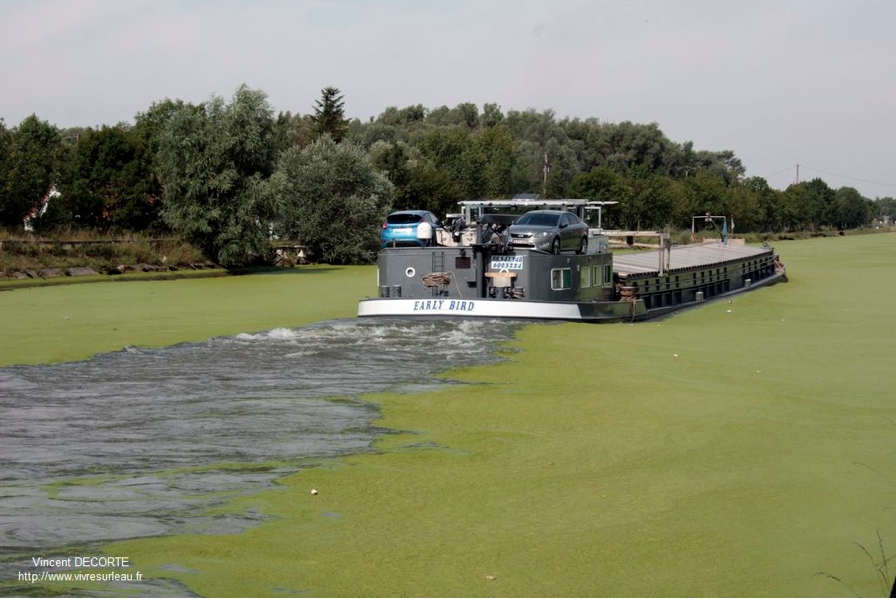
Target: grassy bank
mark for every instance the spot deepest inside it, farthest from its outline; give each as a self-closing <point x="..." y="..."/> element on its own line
<point x="21" y="254"/>
<point x="734" y="450"/>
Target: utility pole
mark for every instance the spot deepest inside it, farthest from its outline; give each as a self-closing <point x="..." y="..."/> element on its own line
<point x="797" y="172"/>
<point x="545" y="170"/>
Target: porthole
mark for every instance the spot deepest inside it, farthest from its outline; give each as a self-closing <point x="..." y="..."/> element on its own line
<point x="410" y="272"/>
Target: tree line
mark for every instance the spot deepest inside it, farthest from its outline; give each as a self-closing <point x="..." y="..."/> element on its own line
<point x="230" y="175"/>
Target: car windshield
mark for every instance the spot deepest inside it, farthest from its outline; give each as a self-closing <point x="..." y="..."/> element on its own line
<point x="538" y="219"/>
<point x="403" y="219"/>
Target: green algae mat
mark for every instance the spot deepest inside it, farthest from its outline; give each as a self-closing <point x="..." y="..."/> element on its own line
<point x="738" y="449"/>
<point x="74" y="322"/>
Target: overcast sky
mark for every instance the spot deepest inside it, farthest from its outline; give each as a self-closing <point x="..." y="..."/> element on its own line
<point x="781" y="83"/>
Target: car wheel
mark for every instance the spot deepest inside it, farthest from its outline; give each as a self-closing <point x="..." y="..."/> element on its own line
<point x="555" y="246"/>
<point x="583" y="246"/>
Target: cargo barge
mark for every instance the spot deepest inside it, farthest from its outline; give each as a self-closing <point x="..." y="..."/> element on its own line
<point x="485" y="269"/>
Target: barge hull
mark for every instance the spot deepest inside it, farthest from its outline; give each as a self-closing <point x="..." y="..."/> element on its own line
<point x="483" y="282"/>
<point x="588" y="312"/>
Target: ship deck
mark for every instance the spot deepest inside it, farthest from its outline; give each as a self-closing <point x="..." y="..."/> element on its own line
<point x="683" y="258"/>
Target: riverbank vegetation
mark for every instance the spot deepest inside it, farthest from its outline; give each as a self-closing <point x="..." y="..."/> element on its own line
<point x="26" y="257"/>
<point x="228" y="176"/>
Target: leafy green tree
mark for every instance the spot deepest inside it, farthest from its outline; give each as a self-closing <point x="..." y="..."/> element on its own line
<point x="710" y="192"/>
<point x="214" y="163"/>
<point x="885" y="207"/>
<point x="768" y="215"/>
<point x="405" y="117"/>
<point x="439" y="117"/>
<point x="108" y="183"/>
<point x="433" y="189"/>
<point x="562" y="168"/>
<point x="500" y="155"/>
<point x="589" y="140"/>
<point x="638" y="145"/>
<point x="603" y="184"/>
<point x="533" y="126"/>
<point x="418" y="184"/>
<point x="537" y="134"/>
<point x="723" y="164"/>
<point x="331" y="199"/>
<point x="742" y="205"/>
<point x="293" y="130"/>
<point x="33" y="161"/>
<point x="457" y="152"/>
<point x="89" y="181"/>
<point x="329" y="115"/>
<point x="683" y="203"/>
<point x="794" y="213"/>
<point x="5" y="160"/>
<point x="491" y="115"/>
<point x="850" y="209"/>
<point x="394" y="160"/>
<point x="650" y="202"/>
<point x="465" y="114"/>
<point x="433" y="157"/>
<point x="378" y="133"/>
<point x="147" y="134"/>
<point x="150" y="125"/>
<point x="574" y="148"/>
<point x="818" y="203"/>
<point x="393" y="125"/>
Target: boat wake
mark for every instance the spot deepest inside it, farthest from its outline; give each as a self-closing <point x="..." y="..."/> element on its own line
<point x="143" y="441"/>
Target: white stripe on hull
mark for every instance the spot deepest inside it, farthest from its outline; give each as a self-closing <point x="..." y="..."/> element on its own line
<point x="447" y="307"/>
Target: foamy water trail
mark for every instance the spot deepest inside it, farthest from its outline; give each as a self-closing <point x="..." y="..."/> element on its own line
<point x="154" y="428"/>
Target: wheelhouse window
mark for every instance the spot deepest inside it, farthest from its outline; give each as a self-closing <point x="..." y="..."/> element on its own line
<point x="561" y="279"/>
<point x="608" y="274"/>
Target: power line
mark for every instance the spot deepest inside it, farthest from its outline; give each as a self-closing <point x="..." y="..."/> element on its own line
<point x="802" y="166"/>
<point x="784" y="170"/>
<point x="848" y="177"/>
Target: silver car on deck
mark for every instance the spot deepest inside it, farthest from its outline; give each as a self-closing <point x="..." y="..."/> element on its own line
<point x="550" y="231"/>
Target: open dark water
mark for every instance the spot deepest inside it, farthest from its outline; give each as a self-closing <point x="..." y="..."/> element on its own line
<point x="138" y="442"/>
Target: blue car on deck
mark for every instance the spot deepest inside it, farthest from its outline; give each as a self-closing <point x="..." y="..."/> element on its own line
<point x="403" y="228"/>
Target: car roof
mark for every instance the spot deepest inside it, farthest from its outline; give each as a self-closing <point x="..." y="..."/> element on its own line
<point x="410" y="212"/>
